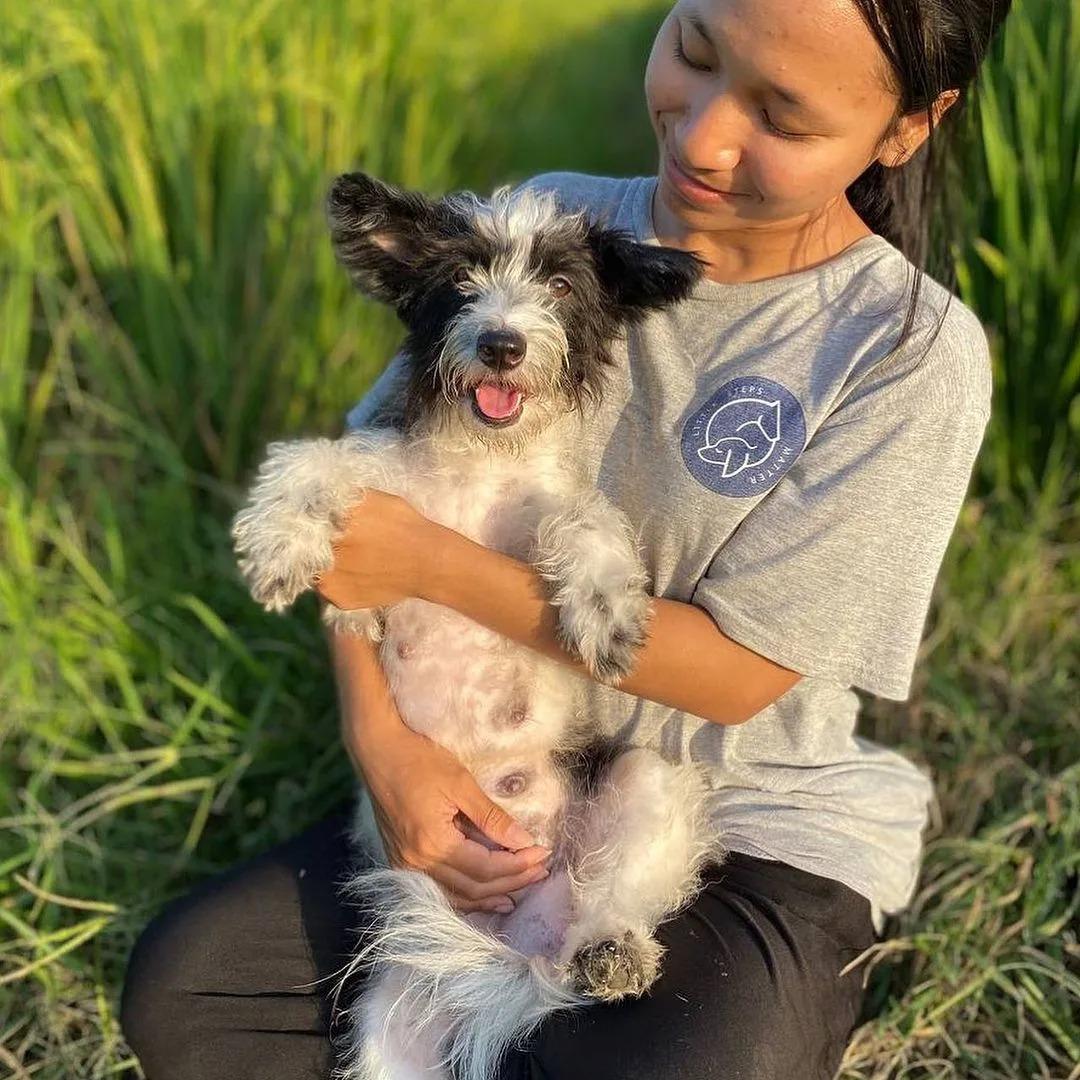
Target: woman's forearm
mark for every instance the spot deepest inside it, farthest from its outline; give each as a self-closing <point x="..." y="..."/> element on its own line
<point x="366" y="704"/>
<point x="685" y="663"/>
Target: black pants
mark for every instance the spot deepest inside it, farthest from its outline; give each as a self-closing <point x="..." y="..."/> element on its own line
<point x="225" y="983"/>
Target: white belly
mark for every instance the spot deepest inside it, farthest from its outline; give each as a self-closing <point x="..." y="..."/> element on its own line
<point x="499" y="707"/>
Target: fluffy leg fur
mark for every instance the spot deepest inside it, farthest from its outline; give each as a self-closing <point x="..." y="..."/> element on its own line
<point x="639" y="847"/>
<point x="589" y="553"/>
<point x="299" y="500"/>
<point x="389" y="1037"/>
<point x="487" y="995"/>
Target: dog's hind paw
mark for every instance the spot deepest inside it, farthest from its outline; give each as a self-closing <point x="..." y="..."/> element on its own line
<point x="613" y="969"/>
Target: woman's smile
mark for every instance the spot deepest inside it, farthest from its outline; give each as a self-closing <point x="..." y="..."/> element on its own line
<point x="694" y="190"/>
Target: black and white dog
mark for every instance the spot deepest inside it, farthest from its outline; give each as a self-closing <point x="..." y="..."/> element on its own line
<point x="512" y="305"/>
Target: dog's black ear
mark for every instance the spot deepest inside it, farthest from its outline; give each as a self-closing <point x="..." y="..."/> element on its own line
<point x="378" y="232"/>
<point x="641" y="277"/>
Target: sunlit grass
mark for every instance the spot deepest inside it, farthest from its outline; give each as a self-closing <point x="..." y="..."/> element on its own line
<point x="983" y="972"/>
<point x="1020" y="270"/>
<point x="168" y="302"/>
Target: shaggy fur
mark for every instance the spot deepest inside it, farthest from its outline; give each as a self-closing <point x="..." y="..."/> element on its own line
<point x="511" y="306"/>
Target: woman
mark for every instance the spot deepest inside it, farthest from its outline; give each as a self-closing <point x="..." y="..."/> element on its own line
<point x="797" y="144"/>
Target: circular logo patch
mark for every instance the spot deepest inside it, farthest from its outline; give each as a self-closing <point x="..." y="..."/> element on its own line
<point x="745" y="437"/>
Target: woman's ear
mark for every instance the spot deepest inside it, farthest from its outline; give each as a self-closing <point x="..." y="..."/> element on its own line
<point x="641" y="277"/>
<point x="378" y="232"/>
<point x="912" y="130"/>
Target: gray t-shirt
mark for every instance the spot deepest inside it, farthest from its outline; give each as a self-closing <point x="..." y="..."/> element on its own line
<point x="798" y="483"/>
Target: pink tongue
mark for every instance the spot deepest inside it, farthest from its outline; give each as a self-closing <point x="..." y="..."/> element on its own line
<point x="496" y="402"/>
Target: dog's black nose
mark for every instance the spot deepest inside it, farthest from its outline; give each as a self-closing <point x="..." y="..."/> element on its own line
<point x="501" y="349"/>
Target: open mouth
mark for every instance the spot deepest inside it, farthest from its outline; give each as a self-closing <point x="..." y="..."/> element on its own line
<point x="496" y="405"/>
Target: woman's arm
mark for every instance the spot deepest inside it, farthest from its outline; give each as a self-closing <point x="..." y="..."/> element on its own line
<point x="686" y="661"/>
<point x="387" y="551"/>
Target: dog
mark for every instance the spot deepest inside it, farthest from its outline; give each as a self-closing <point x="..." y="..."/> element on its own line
<point x="511" y="306"/>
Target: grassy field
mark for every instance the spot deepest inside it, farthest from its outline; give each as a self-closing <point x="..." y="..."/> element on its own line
<point x="168" y="303"/>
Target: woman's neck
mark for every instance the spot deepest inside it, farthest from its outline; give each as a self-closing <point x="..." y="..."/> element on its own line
<point x="757" y="251"/>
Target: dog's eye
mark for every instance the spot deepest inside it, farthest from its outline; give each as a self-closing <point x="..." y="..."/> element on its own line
<point x="461" y="275"/>
<point x="558" y="285"/>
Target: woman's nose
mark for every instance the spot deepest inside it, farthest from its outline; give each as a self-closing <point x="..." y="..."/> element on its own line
<point x="710" y="135"/>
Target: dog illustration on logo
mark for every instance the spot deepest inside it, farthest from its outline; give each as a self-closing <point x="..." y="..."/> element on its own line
<point x="741" y="434"/>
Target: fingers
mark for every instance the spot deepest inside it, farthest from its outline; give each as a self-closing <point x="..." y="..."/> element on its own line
<point x="469" y="895"/>
<point x="500" y="905"/>
<point x="476" y="879"/>
<point x="482" y="864"/>
<point x="492" y="820"/>
<point x="491" y="895"/>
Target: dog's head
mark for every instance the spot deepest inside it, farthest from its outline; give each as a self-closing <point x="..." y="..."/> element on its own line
<point x="511" y="304"/>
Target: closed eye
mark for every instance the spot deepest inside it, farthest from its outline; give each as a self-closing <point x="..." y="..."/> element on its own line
<point x="680" y="55"/>
<point x="782" y="133"/>
<point x="778" y="130"/>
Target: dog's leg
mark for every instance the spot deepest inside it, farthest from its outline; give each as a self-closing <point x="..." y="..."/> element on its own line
<point x="392" y="1035"/>
<point x="588" y="551"/>
<point x="459" y="973"/>
<point x="639" y="847"/>
<point x="296" y="506"/>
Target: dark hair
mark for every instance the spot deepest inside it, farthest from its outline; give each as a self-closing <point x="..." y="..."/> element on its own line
<point x="932" y="46"/>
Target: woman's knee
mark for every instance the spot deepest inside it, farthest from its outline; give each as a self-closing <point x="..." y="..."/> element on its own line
<point x="169" y="966"/>
<point x="696" y="1042"/>
<point x="232" y="975"/>
<point x="712" y="1015"/>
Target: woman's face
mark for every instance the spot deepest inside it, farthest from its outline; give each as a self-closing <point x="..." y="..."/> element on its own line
<point x="776" y="108"/>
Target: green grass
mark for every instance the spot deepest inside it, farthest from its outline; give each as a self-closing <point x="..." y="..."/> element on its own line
<point x="981" y="977"/>
<point x="168" y="303"/>
<point x="1021" y="216"/>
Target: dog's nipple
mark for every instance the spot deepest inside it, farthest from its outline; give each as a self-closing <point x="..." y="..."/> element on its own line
<point x="516" y="716"/>
<point x="512" y="784"/>
<point x="404" y="650"/>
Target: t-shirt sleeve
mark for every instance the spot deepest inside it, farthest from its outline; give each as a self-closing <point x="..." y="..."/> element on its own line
<point x="831" y="573"/>
<point x="383" y="404"/>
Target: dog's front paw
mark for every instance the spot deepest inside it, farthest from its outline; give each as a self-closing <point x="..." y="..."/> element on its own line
<point x="605" y="629"/>
<point x="589" y="553"/>
<point x="616" y="967"/>
<point x="283" y="535"/>
<point x="280" y="554"/>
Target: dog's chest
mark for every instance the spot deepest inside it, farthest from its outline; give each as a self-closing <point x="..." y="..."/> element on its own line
<point x="496" y="502"/>
<point x="454" y="680"/>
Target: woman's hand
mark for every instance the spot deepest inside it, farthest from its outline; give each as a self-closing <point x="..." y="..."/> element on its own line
<point x="420" y="793"/>
<point x="378" y="554"/>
